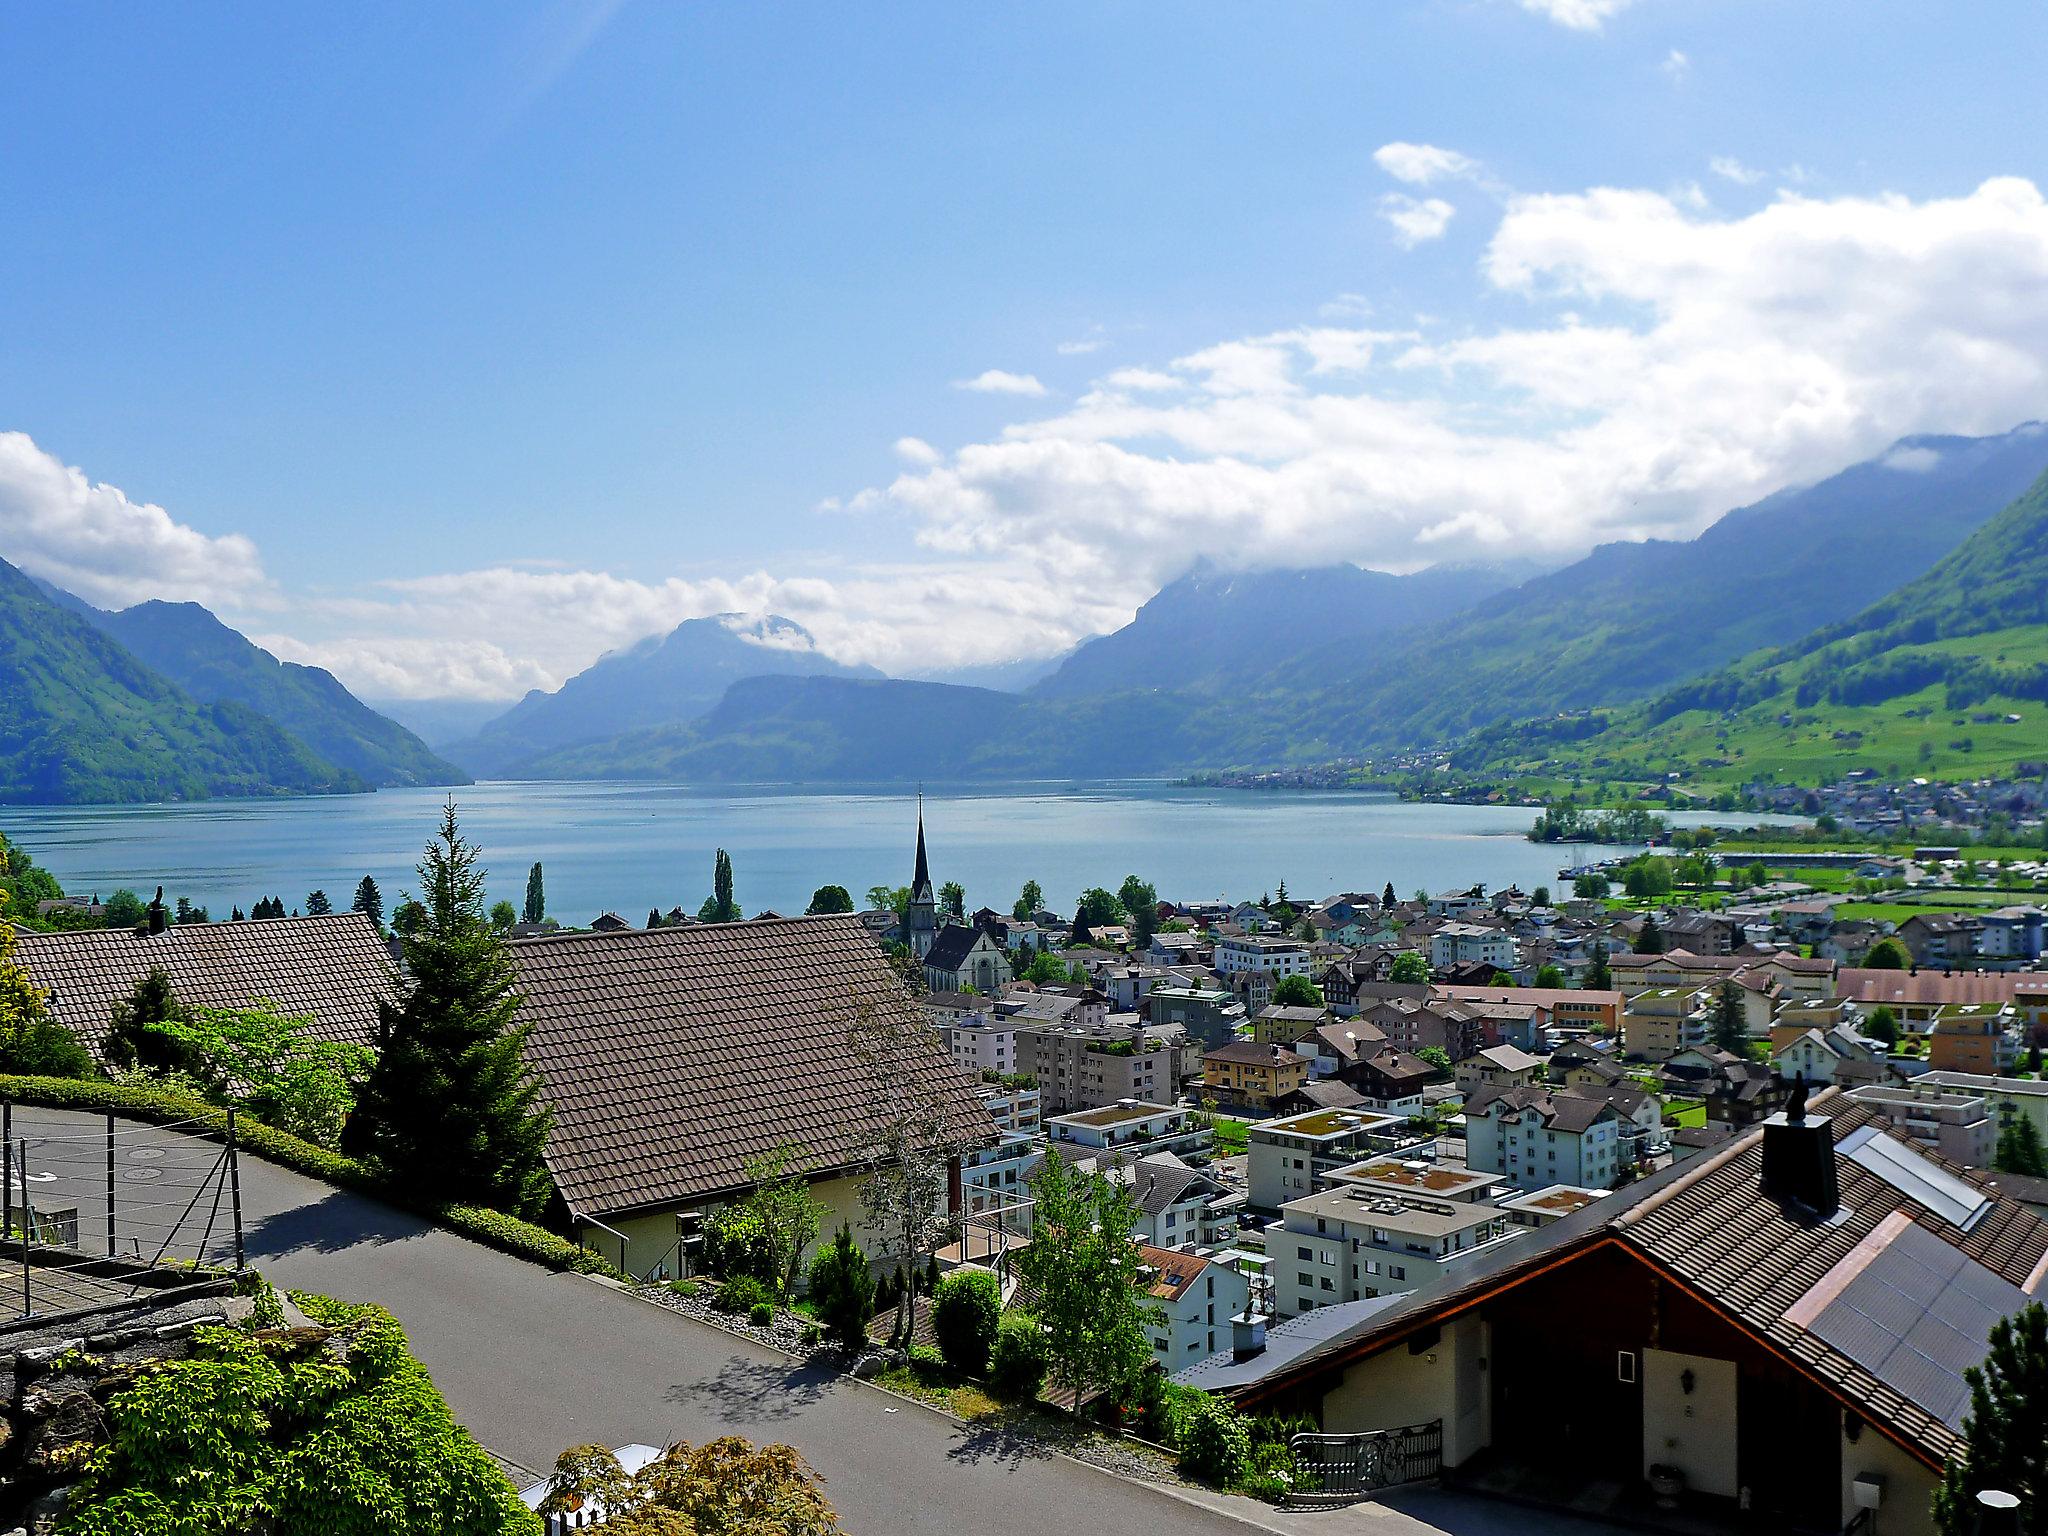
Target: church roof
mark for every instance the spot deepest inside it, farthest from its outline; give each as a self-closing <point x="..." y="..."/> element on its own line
<point x="921" y="878"/>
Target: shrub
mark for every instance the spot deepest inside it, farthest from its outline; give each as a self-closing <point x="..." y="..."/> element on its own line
<point x="736" y="1243"/>
<point x="966" y="1310"/>
<point x="813" y="1335"/>
<point x="842" y="1290"/>
<point x="1020" y="1357"/>
<point x="742" y="1293"/>
<point x="928" y="1365"/>
<point x="761" y="1315"/>
<point x="1215" y="1445"/>
<point x="683" y="1287"/>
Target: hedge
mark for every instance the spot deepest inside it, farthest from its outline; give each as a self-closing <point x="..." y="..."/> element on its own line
<point x="160" y="1106"/>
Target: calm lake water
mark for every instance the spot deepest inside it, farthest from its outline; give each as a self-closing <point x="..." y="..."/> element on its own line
<point x="629" y="847"/>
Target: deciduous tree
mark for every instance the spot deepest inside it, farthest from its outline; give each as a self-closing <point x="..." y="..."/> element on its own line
<point x="1031" y="899"/>
<point x="830" y="898"/>
<point x="1083" y="1263"/>
<point x="1409" y="968"/>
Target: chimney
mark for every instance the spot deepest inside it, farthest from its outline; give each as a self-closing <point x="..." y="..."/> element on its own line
<point x="1799" y="1157"/>
<point x="1247" y="1335"/>
<point x="158" y="920"/>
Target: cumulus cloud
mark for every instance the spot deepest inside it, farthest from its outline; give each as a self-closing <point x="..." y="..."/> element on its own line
<point x="915" y="450"/>
<point x="1728" y="168"/>
<point x="1579" y="15"/>
<point x="91" y="539"/>
<point x="1416" y="221"/>
<point x="1676" y="64"/>
<point x="1422" y="164"/>
<point x="995" y="381"/>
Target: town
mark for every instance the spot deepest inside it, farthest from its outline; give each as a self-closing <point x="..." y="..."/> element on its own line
<point x="1291" y="1187"/>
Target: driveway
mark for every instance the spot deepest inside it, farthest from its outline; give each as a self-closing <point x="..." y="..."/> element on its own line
<point x="533" y="1361"/>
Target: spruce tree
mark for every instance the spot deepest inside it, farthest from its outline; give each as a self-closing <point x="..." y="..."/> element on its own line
<point x="1598" y="977"/>
<point x="1387" y="899"/>
<point x="451" y="1108"/>
<point x="1729" y="1028"/>
<point x="1651" y="940"/>
<point x="536" y="896"/>
<point x="2019" y="1148"/>
<point x="2006" y="1429"/>
<point x="317" y="904"/>
<point x="369" y="901"/>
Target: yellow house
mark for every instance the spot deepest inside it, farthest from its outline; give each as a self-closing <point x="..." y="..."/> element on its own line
<point x="1246" y="1072"/>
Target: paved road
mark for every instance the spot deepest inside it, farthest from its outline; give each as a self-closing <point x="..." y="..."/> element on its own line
<point x="533" y="1361"/>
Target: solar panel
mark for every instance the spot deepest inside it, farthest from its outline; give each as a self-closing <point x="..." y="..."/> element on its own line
<point x="1917" y="1315"/>
<point x="1954" y="1200"/>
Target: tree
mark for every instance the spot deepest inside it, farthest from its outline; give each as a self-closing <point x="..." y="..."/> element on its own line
<point x="830" y="898"/>
<point x="1297" y="991"/>
<point x="1759" y="876"/>
<point x="1650" y="940"/>
<point x="1549" y="976"/>
<point x="407" y="918"/>
<point x="842" y="1291"/>
<point x="132" y="1041"/>
<point x="1887" y="955"/>
<point x="317" y="904"/>
<point x="1593" y="887"/>
<point x="953" y="898"/>
<point x="1437" y="1057"/>
<point x="1138" y="897"/>
<point x="271" y="1064"/>
<point x="369" y="901"/>
<point x="451" y="1109"/>
<point x="536" y="908"/>
<point x="1098" y="909"/>
<point x="2019" y="1148"/>
<point x="1017" y="1363"/>
<point x="1883" y="1025"/>
<point x="1029" y="900"/>
<point x="1540" y="897"/>
<point x="31" y="1042"/>
<point x="1409" y="968"/>
<point x="890" y="898"/>
<point x="504" y="915"/>
<point x="719" y="907"/>
<point x="1599" y="978"/>
<point x="1084" y="1265"/>
<point x="726" y="1487"/>
<point x="966" y="1309"/>
<point x="2006" y="1430"/>
<point x="910" y="1144"/>
<point x="1647" y="877"/>
<point x="1387" y="901"/>
<point x="1729" y="1027"/>
<point x="125" y="910"/>
<point x="781" y="1201"/>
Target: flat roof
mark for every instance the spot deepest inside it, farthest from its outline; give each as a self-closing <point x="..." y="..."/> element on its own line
<point x="1319" y="1123"/>
<point x="1112" y="1114"/>
<point x="1557" y="1199"/>
<point x="1399" y="1173"/>
<point x="1358" y="1203"/>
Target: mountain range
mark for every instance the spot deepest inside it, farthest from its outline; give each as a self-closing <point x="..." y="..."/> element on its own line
<point x="1228" y="670"/>
<point x="164" y="702"/>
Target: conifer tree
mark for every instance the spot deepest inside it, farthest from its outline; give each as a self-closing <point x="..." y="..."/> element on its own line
<point x="369" y="901"/>
<point x="451" y="1108"/>
<point x="2019" y="1148"/>
<point x="1729" y="1027"/>
<point x="1387" y="899"/>
<point x="536" y="896"/>
<point x="1598" y="977"/>
<point x="1651" y="940"/>
<point x="2006" y="1429"/>
<point x="317" y="904"/>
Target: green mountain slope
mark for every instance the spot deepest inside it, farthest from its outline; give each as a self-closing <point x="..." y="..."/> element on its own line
<point x="217" y="665"/>
<point x="82" y="720"/>
<point x="1945" y="677"/>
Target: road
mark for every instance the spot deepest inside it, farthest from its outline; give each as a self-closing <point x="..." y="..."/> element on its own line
<point x="533" y="1361"/>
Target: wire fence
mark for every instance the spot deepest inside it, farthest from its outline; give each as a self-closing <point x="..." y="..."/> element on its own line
<point x="94" y="1213"/>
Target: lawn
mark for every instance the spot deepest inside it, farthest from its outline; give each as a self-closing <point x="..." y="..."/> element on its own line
<point x="1232" y="1136"/>
<point x="1680" y="1113"/>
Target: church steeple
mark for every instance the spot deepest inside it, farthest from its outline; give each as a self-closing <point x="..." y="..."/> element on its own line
<point x="921" y="878"/>
<point x="921" y="921"/>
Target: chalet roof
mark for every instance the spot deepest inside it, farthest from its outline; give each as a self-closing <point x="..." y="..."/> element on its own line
<point x="334" y="969"/>
<point x="1764" y="1266"/>
<point x="1251" y="1054"/>
<point x="673" y="1057"/>
<point x="1559" y="1107"/>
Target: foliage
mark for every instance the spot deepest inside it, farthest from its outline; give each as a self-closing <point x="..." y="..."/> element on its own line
<point x="787" y="1216"/>
<point x="1592" y="885"/>
<point x="30" y="1040"/>
<point x="1297" y="991"/>
<point x="134" y="1038"/>
<point x="1029" y="900"/>
<point x="1020" y="1357"/>
<point x="2019" y="1149"/>
<point x="842" y="1290"/>
<point x="719" y="906"/>
<point x="967" y="1307"/>
<point x="270" y="1064"/>
<point x="761" y="1314"/>
<point x="726" y="1487"/>
<point x="1214" y="1441"/>
<point x="317" y="904"/>
<point x="1647" y="878"/>
<point x="1436" y="1056"/>
<point x="736" y="1243"/>
<point x="1084" y="1265"/>
<point x="2006" y="1429"/>
<point x="1549" y="976"/>
<point x="1650" y="938"/>
<point x="953" y="898"/>
<point x="503" y="915"/>
<point x="830" y="898"/>
<point x="1888" y="955"/>
<point x="293" y="1436"/>
<point x="1883" y="1025"/>
<point x="1599" y="976"/>
<point x="1728" y="1029"/>
<point x="451" y="1107"/>
<point x="535" y="908"/>
<point x="369" y="901"/>
<point x="741" y="1293"/>
<point x="1098" y="909"/>
<point x="1409" y="968"/>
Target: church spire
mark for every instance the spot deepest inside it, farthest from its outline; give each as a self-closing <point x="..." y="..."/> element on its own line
<point x="921" y="879"/>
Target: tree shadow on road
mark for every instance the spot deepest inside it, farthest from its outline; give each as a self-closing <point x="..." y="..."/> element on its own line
<point x="1007" y="1439"/>
<point x="756" y="1391"/>
<point x="331" y="1224"/>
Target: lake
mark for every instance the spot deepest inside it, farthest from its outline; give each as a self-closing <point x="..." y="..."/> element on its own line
<point x="629" y="847"/>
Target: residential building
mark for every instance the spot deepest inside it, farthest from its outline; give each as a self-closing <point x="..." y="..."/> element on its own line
<point x="1737" y="1091"/>
<point x="1501" y="1067"/>
<point x="1420" y="1175"/>
<point x="995" y="1179"/>
<point x="1472" y="944"/>
<point x="1209" y="1015"/>
<point x="1267" y="958"/>
<point x="1973" y="1037"/>
<point x="1830" y="1055"/>
<point x="2008" y="1097"/>
<point x="1562" y="1008"/>
<point x="1173" y="1201"/>
<point x="1083" y="1067"/>
<point x="1247" y="1074"/>
<point x="674" y="1059"/>
<point x="979" y="1043"/>
<point x="1358" y="1240"/>
<point x="1419" y="1026"/>
<point x="1915" y="997"/>
<point x="1662" y="1021"/>
<point x="1392" y="1081"/>
<point x="1132" y="1128"/>
<point x="1955" y="1122"/>
<point x="1194" y="1296"/>
<point x="1011" y="1106"/>
<point x="1290" y="1157"/>
<point x="1546" y="1207"/>
<point x="1538" y="1137"/>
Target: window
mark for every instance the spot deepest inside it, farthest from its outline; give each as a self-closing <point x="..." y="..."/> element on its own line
<point x="1308" y="1282"/>
<point x="1397" y="1272"/>
<point x="1304" y="1253"/>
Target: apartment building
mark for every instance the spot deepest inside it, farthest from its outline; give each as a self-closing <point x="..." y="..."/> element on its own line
<point x="1955" y="1122"/>
<point x="1659" y="1023"/>
<point x="1079" y="1067"/>
<point x="1537" y="1137"/>
<point x="1288" y="1158"/>
<point x="1194" y="1296"/>
<point x="1360" y="1240"/>
<point x="1255" y="955"/>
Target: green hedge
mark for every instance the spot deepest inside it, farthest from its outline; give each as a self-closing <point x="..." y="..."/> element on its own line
<point x="494" y="1229"/>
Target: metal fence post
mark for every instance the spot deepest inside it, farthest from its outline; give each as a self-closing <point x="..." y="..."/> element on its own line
<point x="7" y="1146"/>
<point x="28" y="1299"/>
<point x="110" y="1186"/>
<point x="235" y="1183"/>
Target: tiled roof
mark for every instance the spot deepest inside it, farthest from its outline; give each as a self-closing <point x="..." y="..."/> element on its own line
<point x="673" y="1057"/>
<point x="1173" y="1273"/>
<point x="332" y="969"/>
<point x="951" y="947"/>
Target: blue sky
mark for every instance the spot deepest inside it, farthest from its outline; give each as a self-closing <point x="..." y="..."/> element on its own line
<point x="451" y="345"/>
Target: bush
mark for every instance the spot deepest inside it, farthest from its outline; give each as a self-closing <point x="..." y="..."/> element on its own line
<point x="966" y="1311"/>
<point x="813" y="1335"/>
<point x="736" y="1243"/>
<point x="1215" y="1444"/>
<point x="742" y="1293"/>
<point x="842" y="1291"/>
<point x="683" y="1287"/>
<point x="1020" y="1357"/>
<point x="761" y="1315"/>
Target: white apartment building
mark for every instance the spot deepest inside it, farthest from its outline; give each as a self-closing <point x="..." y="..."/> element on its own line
<point x="1249" y="955"/>
<point x="1537" y="1137"/>
<point x="1194" y="1297"/>
<point x="1956" y="1122"/>
<point x="1012" y="1109"/>
<point x="1472" y="944"/>
<point x="981" y="1044"/>
<point x="994" y="1180"/>
<point x="1288" y="1158"/>
<point x="1132" y="1127"/>
<point x="1358" y="1240"/>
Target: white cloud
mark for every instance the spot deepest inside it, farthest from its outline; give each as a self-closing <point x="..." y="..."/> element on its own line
<point x="995" y="381"/>
<point x="1080" y="348"/>
<point x="1911" y="459"/>
<point x="1144" y="379"/>
<point x="1728" y="168"/>
<point x="92" y="540"/>
<point x="1676" y="64"/>
<point x="1416" y="221"/>
<point x="1579" y="15"/>
<point x="1422" y="164"/>
<point x="915" y="450"/>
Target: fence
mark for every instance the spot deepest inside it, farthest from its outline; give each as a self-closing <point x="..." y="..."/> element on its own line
<point x="93" y="1213"/>
<point x="1342" y="1469"/>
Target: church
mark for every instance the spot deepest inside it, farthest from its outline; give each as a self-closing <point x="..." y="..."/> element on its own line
<point x="957" y="956"/>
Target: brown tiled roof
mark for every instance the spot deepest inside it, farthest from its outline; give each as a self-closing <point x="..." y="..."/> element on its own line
<point x="1248" y="1053"/>
<point x="332" y="969"/>
<point x="1929" y="986"/>
<point x="1173" y="1272"/>
<point x="673" y="1057"/>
